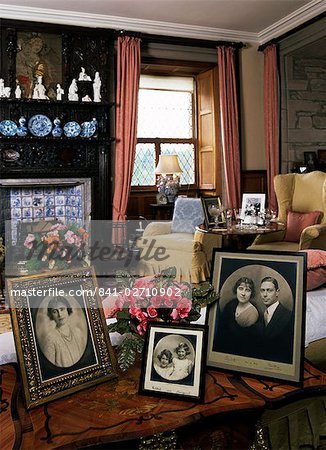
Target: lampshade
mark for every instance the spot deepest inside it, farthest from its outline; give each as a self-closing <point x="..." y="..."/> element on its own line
<point x="168" y="164"/>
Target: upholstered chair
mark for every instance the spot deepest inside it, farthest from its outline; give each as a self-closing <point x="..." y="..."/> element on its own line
<point x="176" y="243"/>
<point x="301" y="202"/>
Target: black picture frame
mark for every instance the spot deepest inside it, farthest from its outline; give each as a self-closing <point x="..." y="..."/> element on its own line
<point x="239" y="340"/>
<point x="207" y="202"/>
<point x="310" y="160"/>
<point x="322" y="157"/>
<point x="55" y="362"/>
<point x="184" y="381"/>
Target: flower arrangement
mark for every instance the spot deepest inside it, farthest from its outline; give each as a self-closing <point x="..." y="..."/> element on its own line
<point x="60" y="247"/>
<point x="160" y="298"/>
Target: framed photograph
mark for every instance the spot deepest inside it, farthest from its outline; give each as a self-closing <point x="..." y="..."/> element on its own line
<point x="322" y="156"/>
<point x="257" y="326"/>
<point x="161" y="199"/>
<point x="252" y="204"/>
<point x="38" y="54"/>
<point x="60" y="334"/>
<point x="310" y="160"/>
<point x="211" y="207"/>
<point x="174" y="361"/>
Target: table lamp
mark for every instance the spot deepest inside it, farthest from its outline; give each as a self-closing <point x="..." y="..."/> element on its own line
<point x="168" y="183"/>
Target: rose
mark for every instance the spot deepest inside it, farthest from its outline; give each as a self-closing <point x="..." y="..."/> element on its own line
<point x="70" y="237"/>
<point x="29" y="241"/>
<point x="152" y="312"/>
<point x="59" y="226"/>
<point x="142" y="327"/>
<point x="182" y="310"/>
<point x="138" y="313"/>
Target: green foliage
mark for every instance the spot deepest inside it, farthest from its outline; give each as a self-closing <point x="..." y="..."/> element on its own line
<point x="128" y="350"/>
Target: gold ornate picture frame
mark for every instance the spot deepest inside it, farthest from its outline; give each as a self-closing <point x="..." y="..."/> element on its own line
<point x="60" y="334"/>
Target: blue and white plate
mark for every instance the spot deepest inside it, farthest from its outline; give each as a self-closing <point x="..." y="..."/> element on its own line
<point x="40" y="125"/>
<point x="8" y="128"/>
<point x="88" y="129"/>
<point x="72" y="129"/>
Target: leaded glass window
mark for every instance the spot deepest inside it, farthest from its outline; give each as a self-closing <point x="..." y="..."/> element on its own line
<point x="165" y="125"/>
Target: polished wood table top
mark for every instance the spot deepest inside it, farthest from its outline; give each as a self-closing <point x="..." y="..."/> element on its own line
<point x="240" y="237"/>
<point x="244" y="229"/>
<point x="112" y="412"/>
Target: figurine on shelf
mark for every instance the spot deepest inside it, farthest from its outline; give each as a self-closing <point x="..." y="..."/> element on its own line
<point x="72" y="92"/>
<point x="60" y="92"/>
<point x="4" y="91"/>
<point x="2" y="87"/>
<point x="57" y="130"/>
<point x="39" y="90"/>
<point x="97" y="87"/>
<point x="86" y="99"/>
<point x="22" y="128"/>
<point x="83" y="75"/>
<point x="18" y="91"/>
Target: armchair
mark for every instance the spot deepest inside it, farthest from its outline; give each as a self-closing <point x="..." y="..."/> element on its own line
<point x="302" y="193"/>
<point x="176" y="243"/>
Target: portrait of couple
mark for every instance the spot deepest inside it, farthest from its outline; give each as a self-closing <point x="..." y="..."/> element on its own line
<point x="255" y="316"/>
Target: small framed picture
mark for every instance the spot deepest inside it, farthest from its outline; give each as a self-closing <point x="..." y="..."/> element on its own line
<point x="310" y="160"/>
<point x="161" y="199"/>
<point x="174" y="361"/>
<point x="60" y="334"/>
<point x="322" y="156"/>
<point x="257" y="325"/>
<point x="252" y="204"/>
<point x="213" y="211"/>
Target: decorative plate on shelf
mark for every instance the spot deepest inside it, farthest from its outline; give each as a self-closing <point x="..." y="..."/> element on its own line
<point x="40" y="125"/>
<point x="8" y="128"/>
<point x="88" y="129"/>
<point x="72" y="129"/>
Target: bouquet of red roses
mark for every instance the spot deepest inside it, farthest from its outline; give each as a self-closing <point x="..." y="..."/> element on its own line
<point x="160" y="298"/>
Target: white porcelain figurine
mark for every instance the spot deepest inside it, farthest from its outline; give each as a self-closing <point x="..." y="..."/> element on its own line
<point x="97" y="87"/>
<point x="72" y="92"/>
<point x="39" y="90"/>
<point x="18" y="91"/>
<point x="60" y="92"/>
<point x="83" y="75"/>
<point x="4" y="91"/>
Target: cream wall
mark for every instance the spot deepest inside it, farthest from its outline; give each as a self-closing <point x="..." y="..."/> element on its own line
<point x="251" y="101"/>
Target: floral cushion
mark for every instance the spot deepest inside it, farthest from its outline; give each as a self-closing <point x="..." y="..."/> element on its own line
<point x="188" y="213"/>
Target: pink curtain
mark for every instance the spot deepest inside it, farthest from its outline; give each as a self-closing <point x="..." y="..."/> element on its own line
<point x="230" y="125"/>
<point x="128" y="74"/>
<point x="271" y="120"/>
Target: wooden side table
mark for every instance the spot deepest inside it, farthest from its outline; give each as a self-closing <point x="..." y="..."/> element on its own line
<point x="162" y="211"/>
<point x="115" y="415"/>
<point x="240" y="238"/>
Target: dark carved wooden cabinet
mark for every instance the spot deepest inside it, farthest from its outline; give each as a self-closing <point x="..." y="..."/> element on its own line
<point x="52" y="157"/>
